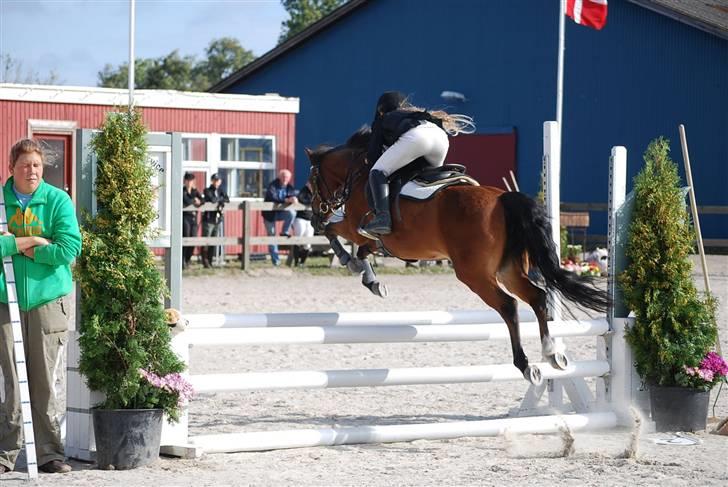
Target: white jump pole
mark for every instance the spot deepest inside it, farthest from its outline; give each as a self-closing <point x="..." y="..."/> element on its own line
<point x="330" y="379"/>
<point x="309" y="335"/>
<point x="219" y="320"/>
<point x="263" y="441"/>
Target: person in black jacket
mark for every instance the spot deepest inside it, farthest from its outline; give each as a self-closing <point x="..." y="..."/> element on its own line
<point x="211" y="220"/>
<point x="190" y="197"/>
<point x="302" y="226"/>
<point x="402" y="133"/>
<point x="279" y="191"/>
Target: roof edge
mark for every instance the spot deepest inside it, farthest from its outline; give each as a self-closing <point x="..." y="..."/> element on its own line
<point x="82" y="95"/>
<point x="284" y="47"/>
<point x="681" y="17"/>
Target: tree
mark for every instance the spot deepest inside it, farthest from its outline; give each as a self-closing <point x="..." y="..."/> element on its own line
<point x="224" y="56"/>
<point x="674" y="328"/>
<point x="13" y="72"/>
<point x="304" y="13"/>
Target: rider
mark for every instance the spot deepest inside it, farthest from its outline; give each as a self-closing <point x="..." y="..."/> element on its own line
<point x="402" y="133"/>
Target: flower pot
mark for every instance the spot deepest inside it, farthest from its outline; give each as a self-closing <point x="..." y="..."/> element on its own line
<point x="126" y="438"/>
<point x="679" y="408"/>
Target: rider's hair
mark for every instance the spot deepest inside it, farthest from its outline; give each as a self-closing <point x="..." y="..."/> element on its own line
<point x="452" y="123"/>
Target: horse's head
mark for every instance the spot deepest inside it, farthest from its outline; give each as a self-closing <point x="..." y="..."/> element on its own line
<point x="334" y="171"/>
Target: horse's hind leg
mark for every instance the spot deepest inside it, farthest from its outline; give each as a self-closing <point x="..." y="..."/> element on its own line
<point x="517" y="282"/>
<point x="506" y="306"/>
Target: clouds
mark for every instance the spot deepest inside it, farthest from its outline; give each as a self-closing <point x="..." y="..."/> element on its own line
<point x="76" y="38"/>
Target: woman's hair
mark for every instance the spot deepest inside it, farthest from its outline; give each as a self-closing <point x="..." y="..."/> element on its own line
<point x="452" y="123"/>
<point x="25" y="146"/>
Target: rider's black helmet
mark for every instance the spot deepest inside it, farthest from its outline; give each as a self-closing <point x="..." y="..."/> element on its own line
<point x="388" y="102"/>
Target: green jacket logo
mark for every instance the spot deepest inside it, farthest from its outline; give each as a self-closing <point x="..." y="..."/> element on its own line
<point x="25" y="225"/>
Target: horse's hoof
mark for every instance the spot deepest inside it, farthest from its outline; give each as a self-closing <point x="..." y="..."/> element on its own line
<point x="533" y="375"/>
<point x="558" y="361"/>
<point x="377" y="288"/>
<point x="355" y="266"/>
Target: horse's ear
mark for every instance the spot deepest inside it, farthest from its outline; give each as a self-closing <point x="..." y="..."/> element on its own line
<point x="308" y="152"/>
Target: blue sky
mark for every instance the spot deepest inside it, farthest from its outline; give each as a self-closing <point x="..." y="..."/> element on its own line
<point x="76" y="38"/>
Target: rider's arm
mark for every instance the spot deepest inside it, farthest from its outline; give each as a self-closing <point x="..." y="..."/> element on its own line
<point x="375" y="143"/>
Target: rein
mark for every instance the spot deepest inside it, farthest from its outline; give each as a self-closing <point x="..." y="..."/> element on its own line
<point x="340" y="195"/>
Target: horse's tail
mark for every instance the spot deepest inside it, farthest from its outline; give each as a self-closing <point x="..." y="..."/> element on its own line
<point x="528" y="231"/>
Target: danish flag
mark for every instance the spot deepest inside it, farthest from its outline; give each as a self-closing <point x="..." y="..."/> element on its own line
<point x="592" y="13"/>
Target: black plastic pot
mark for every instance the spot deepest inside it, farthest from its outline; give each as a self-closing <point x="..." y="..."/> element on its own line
<point x="679" y="408"/>
<point x="126" y="438"/>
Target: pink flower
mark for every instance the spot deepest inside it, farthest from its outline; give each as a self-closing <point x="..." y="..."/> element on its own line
<point x="715" y="364"/>
<point x="706" y="375"/>
<point x="173" y="383"/>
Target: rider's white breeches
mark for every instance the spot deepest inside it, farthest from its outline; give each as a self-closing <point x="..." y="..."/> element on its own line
<point x="426" y="140"/>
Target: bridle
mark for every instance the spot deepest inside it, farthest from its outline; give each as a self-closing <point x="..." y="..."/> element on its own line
<point x="339" y="196"/>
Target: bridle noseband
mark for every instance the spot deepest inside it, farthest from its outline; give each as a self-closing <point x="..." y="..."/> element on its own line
<point x="339" y="196"/>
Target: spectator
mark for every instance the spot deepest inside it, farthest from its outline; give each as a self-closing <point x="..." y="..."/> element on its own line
<point x="279" y="191"/>
<point x="211" y="220"/>
<point x="190" y="197"/>
<point x="43" y="239"/>
<point x="302" y="226"/>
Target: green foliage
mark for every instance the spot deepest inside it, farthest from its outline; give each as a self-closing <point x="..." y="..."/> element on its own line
<point x="223" y="57"/>
<point x="674" y="329"/>
<point x="304" y="13"/>
<point x="13" y="71"/>
<point x="123" y="327"/>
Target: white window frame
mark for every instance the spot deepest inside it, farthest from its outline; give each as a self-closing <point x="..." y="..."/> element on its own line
<point x="59" y="127"/>
<point x="214" y="162"/>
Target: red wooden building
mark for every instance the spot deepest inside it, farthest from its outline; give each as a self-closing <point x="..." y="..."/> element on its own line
<point x="245" y="139"/>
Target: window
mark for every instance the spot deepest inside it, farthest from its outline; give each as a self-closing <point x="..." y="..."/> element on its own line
<point x="247" y="165"/>
<point x="194" y="149"/>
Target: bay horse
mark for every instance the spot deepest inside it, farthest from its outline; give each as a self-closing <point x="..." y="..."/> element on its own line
<point x="492" y="238"/>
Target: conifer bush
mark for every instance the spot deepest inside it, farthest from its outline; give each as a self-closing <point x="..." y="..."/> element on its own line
<point x="674" y="328"/>
<point x="123" y="332"/>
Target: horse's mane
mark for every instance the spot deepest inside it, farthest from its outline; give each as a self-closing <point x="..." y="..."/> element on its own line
<point x="358" y="142"/>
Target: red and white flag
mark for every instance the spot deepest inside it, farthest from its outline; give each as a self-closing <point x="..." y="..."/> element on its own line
<point x="592" y="13"/>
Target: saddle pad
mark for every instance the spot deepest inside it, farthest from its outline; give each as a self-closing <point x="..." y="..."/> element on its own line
<point x="415" y="190"/>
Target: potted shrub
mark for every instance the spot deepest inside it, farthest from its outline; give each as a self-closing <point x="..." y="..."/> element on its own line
<point x="674" y="328"/>
<point x="124" y="339"/>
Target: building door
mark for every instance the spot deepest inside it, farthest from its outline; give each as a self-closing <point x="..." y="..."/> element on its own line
<point x="59" y="168"/>
<point x="487" y="157"/>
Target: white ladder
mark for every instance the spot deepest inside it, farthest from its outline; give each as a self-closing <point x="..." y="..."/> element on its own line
<point x="20" y="368"/>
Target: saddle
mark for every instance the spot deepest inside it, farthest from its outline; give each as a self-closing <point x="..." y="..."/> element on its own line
<point x="419" y="181"/>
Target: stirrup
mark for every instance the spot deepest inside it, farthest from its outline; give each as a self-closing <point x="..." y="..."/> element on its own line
<point x="371" y="236"/>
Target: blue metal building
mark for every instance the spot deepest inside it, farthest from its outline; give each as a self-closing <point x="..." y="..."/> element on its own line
<point x="656" y="64"/>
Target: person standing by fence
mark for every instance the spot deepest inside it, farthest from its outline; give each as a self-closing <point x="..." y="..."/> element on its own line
<point x="279" y="191"/>
<point x="211" y="220"/>
<point x="190" y="197"/>
<point x="302" y="226"/>
<point x="43" y="239"/>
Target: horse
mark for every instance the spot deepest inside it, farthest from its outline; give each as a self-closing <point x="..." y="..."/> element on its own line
<point x="494" y="239"/>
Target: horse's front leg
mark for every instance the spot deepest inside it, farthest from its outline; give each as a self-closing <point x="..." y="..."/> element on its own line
<point x="369" y="277"/>
<point x="354" y="265"/>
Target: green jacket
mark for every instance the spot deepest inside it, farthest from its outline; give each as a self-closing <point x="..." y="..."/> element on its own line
<point x="46" y="277"/>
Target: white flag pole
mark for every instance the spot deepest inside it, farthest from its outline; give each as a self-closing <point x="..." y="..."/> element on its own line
<point x="132" y="5"/>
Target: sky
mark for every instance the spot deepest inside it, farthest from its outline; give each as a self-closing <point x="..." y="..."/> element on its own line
<point x="76" y="38"/>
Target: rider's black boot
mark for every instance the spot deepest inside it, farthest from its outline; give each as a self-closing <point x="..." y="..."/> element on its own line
<point x="382" y="222"/>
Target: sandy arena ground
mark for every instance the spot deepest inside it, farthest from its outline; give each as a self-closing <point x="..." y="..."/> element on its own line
<point x="520" y="460"/>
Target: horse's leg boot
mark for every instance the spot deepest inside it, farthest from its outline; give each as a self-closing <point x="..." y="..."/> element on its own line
<point x="382" y="222"/>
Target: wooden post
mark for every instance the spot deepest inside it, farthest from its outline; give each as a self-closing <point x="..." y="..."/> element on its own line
<point x="696" y="220"/>
<point x="246" y="235"/>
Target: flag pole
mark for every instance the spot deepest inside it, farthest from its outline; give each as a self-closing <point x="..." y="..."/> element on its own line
<point x="132" y="5"/>
<point x="560" y="72"/>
